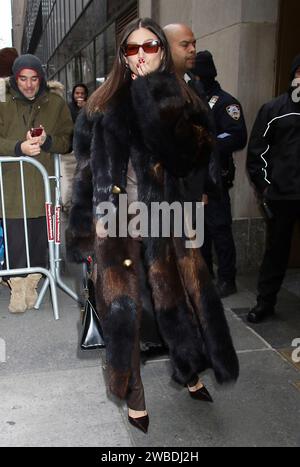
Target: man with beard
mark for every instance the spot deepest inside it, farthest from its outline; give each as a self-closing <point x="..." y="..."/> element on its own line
<point x="274" y="167"/>
<point x="34" y="122"/>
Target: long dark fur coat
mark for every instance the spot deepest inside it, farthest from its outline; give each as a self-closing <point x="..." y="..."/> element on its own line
<point x="166" y="139"/>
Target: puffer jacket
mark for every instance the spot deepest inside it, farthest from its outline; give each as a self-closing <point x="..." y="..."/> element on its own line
<point x="17" y="116"/>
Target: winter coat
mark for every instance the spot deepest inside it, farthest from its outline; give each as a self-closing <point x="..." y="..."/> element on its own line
<point x="165" y="139"/>
<point x="207" y="180"/>
<point x="231" y="129"/>
<point x="274" y="149"/>
<point x="17" y="116"/>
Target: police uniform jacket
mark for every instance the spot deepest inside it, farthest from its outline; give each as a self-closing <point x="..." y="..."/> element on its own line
<point x="231" y="130"/>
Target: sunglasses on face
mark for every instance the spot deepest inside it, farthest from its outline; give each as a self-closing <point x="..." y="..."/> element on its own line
<point x="151" y="47"/>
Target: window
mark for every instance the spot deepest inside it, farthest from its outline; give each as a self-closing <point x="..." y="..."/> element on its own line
<point x="100" y="59"/>
<point x="72" y="12"/>
<point x="110" y="36"/>
<point x="70" y="78"/>
<point x="78" y="7"/>
<point x="87" y="63"/>
<point x="67" y="15"/>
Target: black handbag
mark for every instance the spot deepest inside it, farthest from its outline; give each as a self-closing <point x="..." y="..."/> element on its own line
<point x="92" y="334"/>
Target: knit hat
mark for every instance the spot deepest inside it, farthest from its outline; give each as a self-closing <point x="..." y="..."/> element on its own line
<point x="204" y="66"/>
<point x="7" y="58"/>
<point x="28" y="62"/>
<point x="295" y="66"/>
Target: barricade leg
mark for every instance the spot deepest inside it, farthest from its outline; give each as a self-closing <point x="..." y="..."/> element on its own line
<point x="52" y="276"/>
<point x="49" y="281"/>
<point x="54" y="298"/>
<point x="42" y="294"/>
<point x="58" y="278"/>
<point x="65" y="288"/>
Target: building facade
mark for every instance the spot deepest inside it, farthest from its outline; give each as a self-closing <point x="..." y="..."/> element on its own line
<point x="75" y="39"/>
<point x="253" y="43"/>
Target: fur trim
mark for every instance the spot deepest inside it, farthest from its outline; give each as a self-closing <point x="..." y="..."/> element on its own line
<point x="217" y="337"/>
<point x="57" y="88"/>
<point x="173" y="129"/>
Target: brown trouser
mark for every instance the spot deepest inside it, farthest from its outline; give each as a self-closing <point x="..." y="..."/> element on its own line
<point x="135" y="397"/>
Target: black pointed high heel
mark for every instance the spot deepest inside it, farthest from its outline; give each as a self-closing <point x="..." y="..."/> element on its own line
<point x="201" y="394"/>
<point x="142" y="423"/>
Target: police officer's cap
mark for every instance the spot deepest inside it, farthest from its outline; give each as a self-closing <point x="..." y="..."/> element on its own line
<point x="205" y="66"/>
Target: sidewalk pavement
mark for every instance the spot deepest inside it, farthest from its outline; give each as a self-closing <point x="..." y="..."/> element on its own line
<point x="53" y="394"/>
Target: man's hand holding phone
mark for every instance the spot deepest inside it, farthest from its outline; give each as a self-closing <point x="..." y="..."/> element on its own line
<point x="35" y="138"/>
<point x="37" y="134"/>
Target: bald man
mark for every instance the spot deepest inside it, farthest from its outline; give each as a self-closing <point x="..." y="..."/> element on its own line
<point x="183" y="47"/>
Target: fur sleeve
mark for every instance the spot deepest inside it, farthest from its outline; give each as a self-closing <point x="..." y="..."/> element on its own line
<point x="173" y="129"/>
<point x="80" y="232"/>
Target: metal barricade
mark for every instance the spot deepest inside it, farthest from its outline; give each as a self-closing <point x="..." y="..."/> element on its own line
<point x="53" y="218"/>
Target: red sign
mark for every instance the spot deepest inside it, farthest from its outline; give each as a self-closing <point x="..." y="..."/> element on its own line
<point x="49" y="222"/>
<point x="57" y="225"/>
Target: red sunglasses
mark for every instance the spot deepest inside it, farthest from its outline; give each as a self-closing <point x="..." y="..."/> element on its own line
<point x="150" y="47"/>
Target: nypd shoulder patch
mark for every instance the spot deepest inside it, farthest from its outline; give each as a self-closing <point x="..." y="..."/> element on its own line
<point x="234" y="111"/>
<point x="213" y="101"/>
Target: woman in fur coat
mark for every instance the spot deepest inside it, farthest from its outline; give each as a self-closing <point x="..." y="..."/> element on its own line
<point x="140" y="134"/>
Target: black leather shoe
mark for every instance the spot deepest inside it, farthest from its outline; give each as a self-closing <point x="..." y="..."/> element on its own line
<point x="259" y="313"/>
<point x="201" y="394"/>
<point x="225" y="289"/>
<point x="142" y="423"/>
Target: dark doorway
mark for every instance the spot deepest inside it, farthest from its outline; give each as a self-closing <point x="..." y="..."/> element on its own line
<point x="288" y="41"/>
<point x="288" y="48"/>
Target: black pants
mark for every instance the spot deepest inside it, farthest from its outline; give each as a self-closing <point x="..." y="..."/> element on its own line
<point x="275" y="262"/>
<point x="37" y="240"/>
<point x="218" y="232"/>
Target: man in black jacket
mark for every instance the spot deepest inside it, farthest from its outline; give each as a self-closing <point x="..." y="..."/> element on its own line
<point x="274" y="168"/>
<point x="231" y="135"/>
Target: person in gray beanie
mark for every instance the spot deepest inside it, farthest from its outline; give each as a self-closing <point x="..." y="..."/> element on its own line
<point x="29" y="104"/>
<point x="28" y="62"/>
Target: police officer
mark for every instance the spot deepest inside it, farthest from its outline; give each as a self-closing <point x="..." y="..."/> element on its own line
<point x="231" y="134"/>
<point x="274" y="167"/>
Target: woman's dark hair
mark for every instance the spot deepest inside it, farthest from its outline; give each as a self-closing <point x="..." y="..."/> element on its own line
<point x="120" y="73"/>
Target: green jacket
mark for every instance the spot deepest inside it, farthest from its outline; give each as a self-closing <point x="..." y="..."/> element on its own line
<point x="17" y="116"/>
